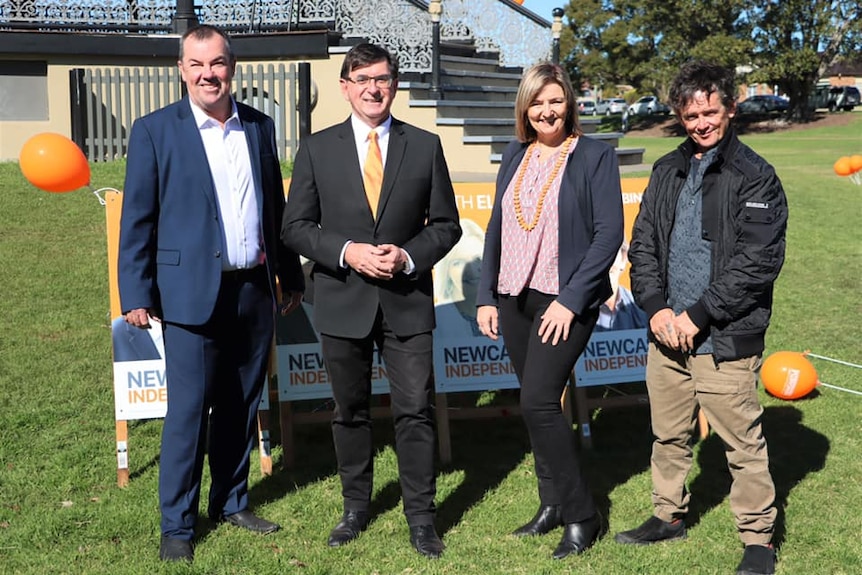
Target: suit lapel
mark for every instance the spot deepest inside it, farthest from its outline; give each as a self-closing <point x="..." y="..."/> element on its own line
<point x="193" y="149"/>
<point x="252" y="137"/>
<point x="394" y="159"/>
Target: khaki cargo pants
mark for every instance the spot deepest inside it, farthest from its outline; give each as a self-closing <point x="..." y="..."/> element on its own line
<point x="727" y="394"/>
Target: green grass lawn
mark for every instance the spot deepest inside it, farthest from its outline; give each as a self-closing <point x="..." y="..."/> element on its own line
<point x="62" y="512"/>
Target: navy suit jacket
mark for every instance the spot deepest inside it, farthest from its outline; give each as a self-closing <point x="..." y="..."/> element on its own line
<point x="590" y="225"/>
<point x="170" y="256"/>
<point x="327" y="207"/>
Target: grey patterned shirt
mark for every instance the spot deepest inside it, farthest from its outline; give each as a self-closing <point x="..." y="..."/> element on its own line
<point x="690" y="256"/>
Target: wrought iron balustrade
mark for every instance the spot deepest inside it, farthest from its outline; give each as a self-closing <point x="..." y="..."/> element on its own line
<point x="404" y="26"/>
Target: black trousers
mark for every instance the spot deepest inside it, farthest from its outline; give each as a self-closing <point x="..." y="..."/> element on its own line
<point x="409" y="366"/>
<point x="543" y="370"/>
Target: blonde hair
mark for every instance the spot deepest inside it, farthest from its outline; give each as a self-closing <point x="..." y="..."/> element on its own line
<point x="534" y="80"/>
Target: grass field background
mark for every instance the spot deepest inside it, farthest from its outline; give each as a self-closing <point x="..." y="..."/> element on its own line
<point x="62" y="512"/>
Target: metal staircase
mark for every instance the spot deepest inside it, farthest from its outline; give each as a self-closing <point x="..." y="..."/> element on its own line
<point x="479" y="99"/>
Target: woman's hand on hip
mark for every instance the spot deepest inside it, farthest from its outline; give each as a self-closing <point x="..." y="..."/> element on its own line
<point x="487" y="319"/>
<point x="556" y="322"/>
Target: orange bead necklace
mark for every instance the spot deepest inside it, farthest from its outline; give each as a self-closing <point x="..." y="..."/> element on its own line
<point x="519" y="182"/>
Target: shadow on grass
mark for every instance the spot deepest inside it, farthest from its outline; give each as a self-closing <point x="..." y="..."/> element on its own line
<point x="487" y="450"/>
<point x="794" y="451"/>
<point x="484" y="468"/>
<point x="622" y="442"/>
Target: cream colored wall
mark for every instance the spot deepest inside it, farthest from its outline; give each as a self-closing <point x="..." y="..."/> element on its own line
<point x="13" y="134"/>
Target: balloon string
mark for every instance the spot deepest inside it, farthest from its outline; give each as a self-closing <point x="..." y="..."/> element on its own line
<point x="839" y="388"/>
<point x="833" y="360"/>
<point x="101" y="199"/>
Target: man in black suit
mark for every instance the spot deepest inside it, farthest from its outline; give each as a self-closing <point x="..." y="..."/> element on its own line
<point x="374" y="244"/>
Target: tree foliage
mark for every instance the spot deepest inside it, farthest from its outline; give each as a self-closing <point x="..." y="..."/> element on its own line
<point x="798" y="40"/>
<point x="786" y="43"/>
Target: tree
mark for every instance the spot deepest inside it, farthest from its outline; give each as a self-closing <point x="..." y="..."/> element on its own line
<point x="797" y="41"/>
<point x="643" y="42"/>
<point x="787" y="43"/>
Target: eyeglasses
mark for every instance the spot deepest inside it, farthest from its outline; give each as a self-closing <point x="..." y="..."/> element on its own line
<point x="384" y="81"/>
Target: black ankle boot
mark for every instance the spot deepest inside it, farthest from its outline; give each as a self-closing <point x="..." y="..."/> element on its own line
<point x="547" y="518"/>
<point x="578" y="537"/>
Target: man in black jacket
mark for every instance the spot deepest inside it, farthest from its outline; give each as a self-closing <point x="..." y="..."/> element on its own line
<point x="707" y="246"/>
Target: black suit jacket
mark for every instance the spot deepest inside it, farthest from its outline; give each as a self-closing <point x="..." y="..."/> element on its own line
<point x="327" y="207"/>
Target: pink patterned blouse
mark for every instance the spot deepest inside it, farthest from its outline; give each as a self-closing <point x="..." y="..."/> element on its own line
<point x="531" y="259"/>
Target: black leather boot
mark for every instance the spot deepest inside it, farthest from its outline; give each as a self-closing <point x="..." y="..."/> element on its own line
<point x="547" y="518"/>
<point x="578" y="537"/>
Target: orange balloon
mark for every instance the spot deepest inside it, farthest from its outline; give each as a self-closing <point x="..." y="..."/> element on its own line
<point x="855" y="163"/>
<point x="788" y="375"/>
<point x="842" y="166"/>
<point x="54" y="163"/>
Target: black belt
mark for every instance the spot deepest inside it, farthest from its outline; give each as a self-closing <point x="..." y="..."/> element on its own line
<point x="242" y="275"/>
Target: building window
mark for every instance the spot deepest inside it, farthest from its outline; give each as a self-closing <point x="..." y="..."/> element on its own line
<point x="23" y="90"/>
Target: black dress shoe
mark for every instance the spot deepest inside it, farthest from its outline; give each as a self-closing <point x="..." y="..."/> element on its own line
<point x="351" y="525"/>
<point x="425" y="540"/>
<point x="547" y="518"/>
<point x="172" y="549"/>
<point x="578" y="537"/>
<point x="248" y="520"/>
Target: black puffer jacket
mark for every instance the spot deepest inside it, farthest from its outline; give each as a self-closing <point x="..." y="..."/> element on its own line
<point x="744" y="219"/>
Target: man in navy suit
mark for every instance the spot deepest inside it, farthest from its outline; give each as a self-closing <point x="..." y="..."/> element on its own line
<point x="199" y="251"/>
<point x="373" y="255"/>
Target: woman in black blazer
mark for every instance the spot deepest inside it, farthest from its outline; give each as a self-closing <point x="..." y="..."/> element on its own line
<point x="554" y="231"/>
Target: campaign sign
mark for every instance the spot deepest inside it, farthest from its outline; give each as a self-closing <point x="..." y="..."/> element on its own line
<point x="613" y="357"/>
<point x="472" y="364"/>
<point x="302" y="373"/>
<point x="140" y="389"/>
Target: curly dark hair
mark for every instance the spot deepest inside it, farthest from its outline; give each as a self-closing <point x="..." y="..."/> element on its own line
<point x="700" y="76"/>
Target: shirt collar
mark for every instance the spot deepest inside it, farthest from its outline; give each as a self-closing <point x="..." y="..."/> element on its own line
<point x="202" y="120"/>
<point x="361" y="129"/>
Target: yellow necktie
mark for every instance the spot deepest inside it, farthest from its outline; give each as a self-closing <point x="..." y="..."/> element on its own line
<point x="372" y="173"/>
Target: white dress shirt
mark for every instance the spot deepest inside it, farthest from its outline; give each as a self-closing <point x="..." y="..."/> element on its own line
<point x="230" y="168"/>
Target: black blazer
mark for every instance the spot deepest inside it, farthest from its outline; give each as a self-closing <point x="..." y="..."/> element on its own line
<point x="590" y="230"/>
<point x="327" y="206"/>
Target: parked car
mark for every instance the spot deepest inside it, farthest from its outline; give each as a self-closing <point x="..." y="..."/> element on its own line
<point x="762" y="104"/>
<point x="649" y="105"/>
<point x="834" y="98"/>
<point x="587" y="107"/>
<point x="611" y="106"/>
<point x="843" y="98"/>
